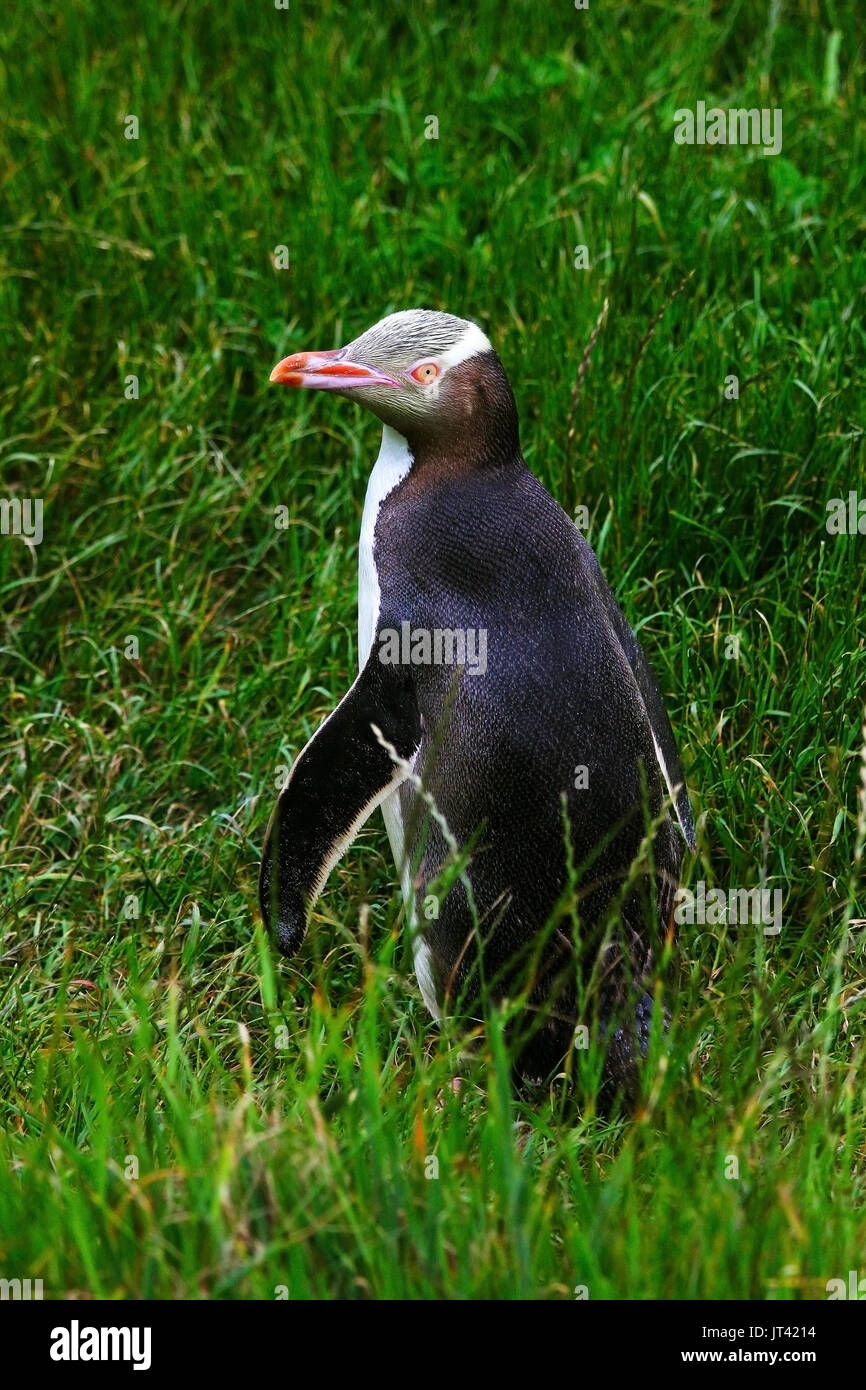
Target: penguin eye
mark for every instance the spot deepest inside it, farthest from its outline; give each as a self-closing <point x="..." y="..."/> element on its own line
<point x="425" y="372"/>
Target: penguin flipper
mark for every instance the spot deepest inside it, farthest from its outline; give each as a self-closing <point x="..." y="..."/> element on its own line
<point x="335" y="784"/>
<point x="663" y="739"/>
<point x="660" y="726"/>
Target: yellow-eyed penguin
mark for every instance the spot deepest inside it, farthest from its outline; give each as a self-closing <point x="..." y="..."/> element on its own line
<point x="500" y="683"/>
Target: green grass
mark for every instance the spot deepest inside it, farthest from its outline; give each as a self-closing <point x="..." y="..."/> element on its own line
<point x="150" y="781"/>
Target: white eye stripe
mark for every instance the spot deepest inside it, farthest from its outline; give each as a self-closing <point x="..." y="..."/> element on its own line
<point x="469" y="344"/>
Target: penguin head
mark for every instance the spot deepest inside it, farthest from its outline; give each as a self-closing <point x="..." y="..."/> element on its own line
<point x="419" y="371"/>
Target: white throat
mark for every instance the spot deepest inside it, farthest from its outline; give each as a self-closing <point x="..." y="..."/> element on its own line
<point x="391" y="466"/>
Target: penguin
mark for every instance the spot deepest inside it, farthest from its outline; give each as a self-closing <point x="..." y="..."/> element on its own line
<point x="504" y="712"/>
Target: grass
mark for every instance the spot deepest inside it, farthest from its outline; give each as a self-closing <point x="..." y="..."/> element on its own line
<point x="282" y="1117"/>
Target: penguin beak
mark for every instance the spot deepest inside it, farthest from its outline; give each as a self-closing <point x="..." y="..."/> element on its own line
<point x="328" y="371"/>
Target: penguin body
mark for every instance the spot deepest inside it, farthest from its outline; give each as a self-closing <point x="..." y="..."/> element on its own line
<point x="547" y="743"/>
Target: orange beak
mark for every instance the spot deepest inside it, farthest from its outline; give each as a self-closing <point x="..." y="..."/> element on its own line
<point x="328" y="371"/>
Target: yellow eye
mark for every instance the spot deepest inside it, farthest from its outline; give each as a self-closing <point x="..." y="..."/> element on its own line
<point x="425" y="373"/>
